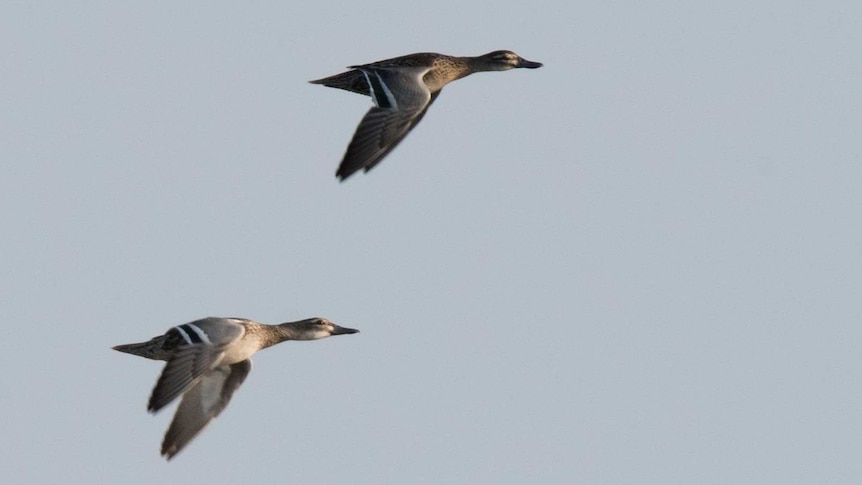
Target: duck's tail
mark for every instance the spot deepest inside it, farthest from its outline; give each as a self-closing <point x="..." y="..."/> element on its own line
<point x="353" y="81"/>
<point x="151" y="349"/>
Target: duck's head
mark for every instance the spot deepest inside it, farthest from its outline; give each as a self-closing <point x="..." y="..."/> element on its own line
<point x="503" y="61"/>
<point x="316" y="328"/>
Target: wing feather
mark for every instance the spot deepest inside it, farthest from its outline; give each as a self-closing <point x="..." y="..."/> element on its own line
<point x="202" y="403"/>
<point x="185" y="367"/>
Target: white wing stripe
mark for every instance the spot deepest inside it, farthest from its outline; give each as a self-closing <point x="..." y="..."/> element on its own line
<point x="184" y="334"/>
<point x="391" y="97"/>
<point x="200" y="333"/>
<point x="380" y="93"/>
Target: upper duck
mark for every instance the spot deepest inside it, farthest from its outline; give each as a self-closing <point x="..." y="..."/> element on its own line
<point x="207" y="360"/>
<point x="402" y="89"/>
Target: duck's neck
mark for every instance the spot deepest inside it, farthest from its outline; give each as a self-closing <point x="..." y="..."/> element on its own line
<point x="476" y="64"/>
<point x="445" y="70"/>
<point x="277" y="334"/>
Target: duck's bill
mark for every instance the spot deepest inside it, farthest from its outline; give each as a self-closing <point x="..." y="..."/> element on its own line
<point x="528" y="64"/>
<point x="338" y="330"/>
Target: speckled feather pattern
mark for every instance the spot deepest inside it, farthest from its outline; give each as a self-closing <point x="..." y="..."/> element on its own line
<point x="385" y="125"/>
<point x="207" y="360"/>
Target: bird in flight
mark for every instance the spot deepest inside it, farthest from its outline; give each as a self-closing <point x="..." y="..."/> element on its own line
<point x="402" y="89"/>
<point x="207" y="360"/>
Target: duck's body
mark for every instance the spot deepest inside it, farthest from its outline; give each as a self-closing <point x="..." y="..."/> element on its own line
<point x="207" y="360"/>
<point x="402" y="89"/>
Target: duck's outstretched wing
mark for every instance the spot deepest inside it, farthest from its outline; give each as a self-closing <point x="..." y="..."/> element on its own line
<point x="401" y="99"/>
<point x="380" y="131"/>
<point x="205" y="342"/>
<point x="188" y="364"/>
<point x="202" y="403"/>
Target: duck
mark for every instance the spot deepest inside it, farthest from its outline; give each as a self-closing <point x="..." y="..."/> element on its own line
<point x="207" y="361"/>
<point x="402" y="89"/>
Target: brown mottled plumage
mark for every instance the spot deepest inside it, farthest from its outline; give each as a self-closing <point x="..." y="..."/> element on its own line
<point x="207" y="360"/>
<point x="402" y="89"/>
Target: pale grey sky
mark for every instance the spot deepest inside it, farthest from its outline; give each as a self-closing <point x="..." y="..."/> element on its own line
<point x="641" y="263"/>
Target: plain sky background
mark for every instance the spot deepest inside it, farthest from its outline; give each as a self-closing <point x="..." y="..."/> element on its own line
<point x="641" y="263"/>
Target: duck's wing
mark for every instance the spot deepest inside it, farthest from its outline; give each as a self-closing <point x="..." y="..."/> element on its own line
<point x="162" y="347"/>
<point x="401" y="99"/>
<point x="203" y="402"/>
<point x="356" y="82"/>
<point x="205" y="344"/>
